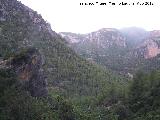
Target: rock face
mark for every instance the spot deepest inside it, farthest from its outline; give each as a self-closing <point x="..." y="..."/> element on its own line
<point x="104" y="38"/>
<point x="107" y="37"/>
<point x="151" y="49"/>
<point x="150" y="45"/>
<point x="72" y="37"/>
<point x="28" y="67"/>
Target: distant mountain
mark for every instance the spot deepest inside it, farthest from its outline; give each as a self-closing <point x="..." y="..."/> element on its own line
<point x="125" y="50"/>
<point x="105" y="37"/>
<point x="95" y="43"/>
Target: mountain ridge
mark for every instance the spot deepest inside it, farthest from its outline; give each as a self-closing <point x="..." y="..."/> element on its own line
<point x="122" y="45"/>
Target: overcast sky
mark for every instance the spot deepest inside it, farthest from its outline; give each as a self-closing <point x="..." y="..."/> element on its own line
<point x="70" y="16"/>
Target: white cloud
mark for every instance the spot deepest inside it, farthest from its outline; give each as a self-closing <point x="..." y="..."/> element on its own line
<point x="68" y="15"/>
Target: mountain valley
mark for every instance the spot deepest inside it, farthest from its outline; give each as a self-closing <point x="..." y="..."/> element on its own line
<point x="46" y="75"/>
<point x="121" y="50"/>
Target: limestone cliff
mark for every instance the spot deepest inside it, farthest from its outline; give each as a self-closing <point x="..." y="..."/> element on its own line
<point x="152" y="49"/>
<point x="102" y="38"/>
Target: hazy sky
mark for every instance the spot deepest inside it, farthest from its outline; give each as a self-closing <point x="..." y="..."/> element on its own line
<point x="70" y="16"/>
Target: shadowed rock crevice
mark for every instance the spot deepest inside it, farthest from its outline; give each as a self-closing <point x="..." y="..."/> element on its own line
<point x="28" y="67"/>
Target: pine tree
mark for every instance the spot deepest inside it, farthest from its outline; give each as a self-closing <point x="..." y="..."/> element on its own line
<point x="137" y="90"/>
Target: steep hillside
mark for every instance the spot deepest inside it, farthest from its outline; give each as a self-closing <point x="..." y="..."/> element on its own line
<point x="21" y="27"/>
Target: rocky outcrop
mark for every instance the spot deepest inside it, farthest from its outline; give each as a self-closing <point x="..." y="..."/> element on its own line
<point x="107" y="37"/>
<point x="103" y="38"/>
<point x="152" y="49"/>
<point x="151" y="45"/>
<point x="28" y="68"/>
<point x="148" y="49"/>
<point x="72" y="37"/>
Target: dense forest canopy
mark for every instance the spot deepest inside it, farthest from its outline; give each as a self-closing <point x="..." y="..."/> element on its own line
<point x="43" y="78"/>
